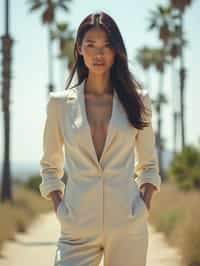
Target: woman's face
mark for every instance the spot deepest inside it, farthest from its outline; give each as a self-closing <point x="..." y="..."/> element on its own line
<point x="96" y="50"/>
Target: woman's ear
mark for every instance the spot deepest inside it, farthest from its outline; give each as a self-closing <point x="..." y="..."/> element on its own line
<point x="79" y="49"/>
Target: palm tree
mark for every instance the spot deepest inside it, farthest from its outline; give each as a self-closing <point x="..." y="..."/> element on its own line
<point x="159" y="58"/>
<point x="179" y="7"/>
<point x="49" y="8"/>
<point x="65" y="37"/>
<point x="180" y="4"/>
<point x="7" y="42"/>
<point x="144" y="58"/>
<point x="160" y="20"/>
<point x="174" y="47"/>
<point x="66" y="52"/>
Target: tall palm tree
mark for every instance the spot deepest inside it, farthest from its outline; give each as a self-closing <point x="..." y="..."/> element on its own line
<point x="167" y="22"/>
<point x="175" y="103"/>
<point x="49" y="9"/>
<point x="7" y="42"/>
<point x="65" y="38"/>
<point x="160" y="20"/>
<point x="179" y="7"/>
<point x="174" y="47"/>
<point x="159" y="58"/>
<point x="144" y="58"/>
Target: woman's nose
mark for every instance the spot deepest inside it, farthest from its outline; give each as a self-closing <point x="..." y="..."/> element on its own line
<point x="99" y="51"/>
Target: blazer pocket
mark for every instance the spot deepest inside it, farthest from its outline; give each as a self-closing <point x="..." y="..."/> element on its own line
<point x="61" y="210"/>
<point x="58" y="208"/>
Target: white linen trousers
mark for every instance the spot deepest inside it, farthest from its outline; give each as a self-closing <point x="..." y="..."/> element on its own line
<point x="102" y="211"/>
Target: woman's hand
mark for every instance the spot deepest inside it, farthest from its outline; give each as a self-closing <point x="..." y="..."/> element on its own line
<point x="146" y="192"/>
<point x="56" y="197"/>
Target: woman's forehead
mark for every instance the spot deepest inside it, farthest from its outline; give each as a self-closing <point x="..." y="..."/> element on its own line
<point x="96" y="34"/>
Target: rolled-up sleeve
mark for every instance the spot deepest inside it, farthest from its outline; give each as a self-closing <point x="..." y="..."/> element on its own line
<point x="52" y="160"/>
<point x="146" y="159"/>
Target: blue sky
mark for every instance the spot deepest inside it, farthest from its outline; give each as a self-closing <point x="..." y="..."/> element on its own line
<point x="29" y="69"/>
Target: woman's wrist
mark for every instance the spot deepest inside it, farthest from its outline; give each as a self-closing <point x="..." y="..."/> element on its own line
<point x="150" y="186"/>
<point x="56" y="197"/>
<point x="147" y="190"/>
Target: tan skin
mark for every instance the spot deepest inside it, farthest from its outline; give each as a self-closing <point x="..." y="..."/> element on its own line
<point x="95" y="48"/>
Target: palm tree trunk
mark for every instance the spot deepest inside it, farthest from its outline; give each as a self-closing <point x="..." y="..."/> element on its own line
<point x="175" y="96"/>
<point x="175" y="119"/>
<point x="182" y="85"/>
<point x="6" y="191"/>
<point x="160" y="148"/>
<point x="50" y="61"/>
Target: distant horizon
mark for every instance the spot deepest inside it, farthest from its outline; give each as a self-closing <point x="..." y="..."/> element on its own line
<point x="26" y="168"/>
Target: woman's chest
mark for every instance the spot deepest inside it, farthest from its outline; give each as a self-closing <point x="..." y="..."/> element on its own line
<point x="96" y="126"/>
<point x="98" y="113"/>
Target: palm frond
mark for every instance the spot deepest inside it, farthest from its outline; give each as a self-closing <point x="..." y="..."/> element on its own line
<point x="35" y="5"/>
<point x="62" y="26"/>
<point x="64" y="7"/>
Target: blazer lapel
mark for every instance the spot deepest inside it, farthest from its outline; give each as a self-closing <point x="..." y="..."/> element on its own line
<point x="80" y="116"/>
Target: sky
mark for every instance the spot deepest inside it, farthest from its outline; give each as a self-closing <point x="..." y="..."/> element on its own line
<point x="30" y="69"/>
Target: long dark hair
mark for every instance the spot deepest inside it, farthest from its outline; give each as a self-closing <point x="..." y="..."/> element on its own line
<point x="122" y="79"/>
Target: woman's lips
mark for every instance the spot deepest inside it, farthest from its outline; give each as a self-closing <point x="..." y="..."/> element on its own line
<point x="99" y="64"/>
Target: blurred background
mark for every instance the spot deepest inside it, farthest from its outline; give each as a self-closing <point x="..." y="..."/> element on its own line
<point x="162" y="40"/>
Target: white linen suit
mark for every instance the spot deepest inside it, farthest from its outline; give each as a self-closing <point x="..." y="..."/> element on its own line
<point x="102" y="207"/>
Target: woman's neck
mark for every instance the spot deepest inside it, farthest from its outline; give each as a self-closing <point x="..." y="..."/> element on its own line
<point x="98" y="84"/>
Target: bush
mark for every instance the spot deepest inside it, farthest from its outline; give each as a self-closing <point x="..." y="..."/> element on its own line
<point x="33" y="183"/>
<point x="17" y="215"/>
<point x="185" y="168"/>
<point x="176" y="213"/>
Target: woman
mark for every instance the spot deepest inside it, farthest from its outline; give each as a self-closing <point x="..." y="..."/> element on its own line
<point x="102" y="126"/>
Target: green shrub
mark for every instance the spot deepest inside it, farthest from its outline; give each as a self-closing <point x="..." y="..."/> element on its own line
<point x="33" y="183"/>
<point x="176" y="213"/>
<point x="17" y="215"/>
<point x="168" y="221"/>
<point x="185" y="168"/>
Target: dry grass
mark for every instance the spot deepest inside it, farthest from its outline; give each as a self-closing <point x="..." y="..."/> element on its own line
<point x="174" y="212"/>
<point x="177" y="214"/>
<point x="16" y="216"/>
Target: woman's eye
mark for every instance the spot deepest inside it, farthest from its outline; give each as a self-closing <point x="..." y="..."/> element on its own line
<point x="91" y="45"/>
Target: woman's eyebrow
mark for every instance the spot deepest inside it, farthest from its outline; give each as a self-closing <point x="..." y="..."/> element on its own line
<point x="89" y="40"/>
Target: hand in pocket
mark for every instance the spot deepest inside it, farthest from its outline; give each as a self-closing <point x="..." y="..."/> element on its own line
<point x="56" y="197"/>
<point x="145" y="201"/>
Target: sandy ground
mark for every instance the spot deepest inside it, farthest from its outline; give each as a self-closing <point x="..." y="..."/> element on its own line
<point x="37" y="246"/>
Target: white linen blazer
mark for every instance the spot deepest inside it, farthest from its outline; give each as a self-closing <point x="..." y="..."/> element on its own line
<point x="67" y="139"/>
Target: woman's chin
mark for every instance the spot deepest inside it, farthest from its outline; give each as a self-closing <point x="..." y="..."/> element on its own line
<point x="98" y="70"/>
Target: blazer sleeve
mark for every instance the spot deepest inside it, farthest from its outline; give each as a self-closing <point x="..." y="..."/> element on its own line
<point x="146" y="160"/>
<point x="52" y="160"/>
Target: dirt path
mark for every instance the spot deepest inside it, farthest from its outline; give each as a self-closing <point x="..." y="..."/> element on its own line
<point x="159" y="252"/>
<point x="37" y="246"/>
